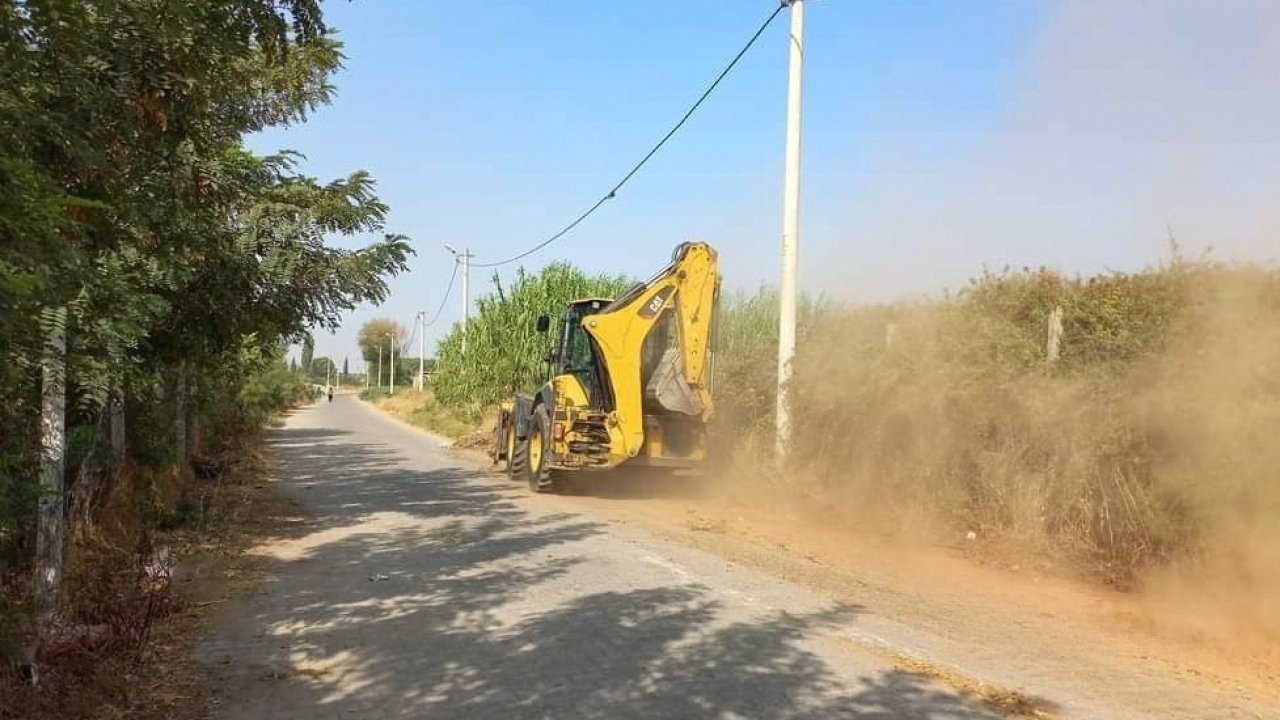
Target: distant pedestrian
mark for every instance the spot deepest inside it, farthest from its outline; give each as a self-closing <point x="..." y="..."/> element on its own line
<point x="330" y="394"/>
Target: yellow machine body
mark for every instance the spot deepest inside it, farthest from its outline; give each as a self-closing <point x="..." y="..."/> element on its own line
<point x="631" y="381"/>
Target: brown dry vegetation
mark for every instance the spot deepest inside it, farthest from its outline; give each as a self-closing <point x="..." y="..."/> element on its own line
<point x="421" y="409"/>
<point x="137" y="599"/>
<point x="1143" y="455"/>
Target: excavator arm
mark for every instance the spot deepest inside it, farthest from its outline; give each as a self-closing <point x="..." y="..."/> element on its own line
<point x="680" y="382"/>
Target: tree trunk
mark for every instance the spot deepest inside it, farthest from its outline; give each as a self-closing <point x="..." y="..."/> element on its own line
<point x="180" y="418"/>
<point x="53" y="436"/>
<point x="117" y="427"/>
<point x="194" y="434"/>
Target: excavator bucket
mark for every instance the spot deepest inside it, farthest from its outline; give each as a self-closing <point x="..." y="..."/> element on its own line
<point x="668" y="387"/>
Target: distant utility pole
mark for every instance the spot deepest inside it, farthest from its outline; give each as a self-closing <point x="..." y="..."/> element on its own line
<point x="790" y="229"/>
<point x="379" y="366"/>
<point x="422" y="344"/>
<point x="391" y="340"/>
<point x="464" y="256"/>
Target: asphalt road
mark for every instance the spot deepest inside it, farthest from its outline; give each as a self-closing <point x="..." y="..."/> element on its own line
<point x="424" y="588"/>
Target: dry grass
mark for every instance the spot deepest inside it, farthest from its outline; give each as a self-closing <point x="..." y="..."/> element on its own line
<point x="101" y="668"/>
<point x="1147" y="443"/>
<point x="423" y="410"/>
<point x="1011" y="703"/>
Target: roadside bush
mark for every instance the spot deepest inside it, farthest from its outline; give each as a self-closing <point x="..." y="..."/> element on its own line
<point x="1144" y="441"/>
<point x="746" y="364"/>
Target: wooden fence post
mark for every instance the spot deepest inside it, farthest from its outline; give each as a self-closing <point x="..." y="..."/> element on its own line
<point x="1053" y="344"/>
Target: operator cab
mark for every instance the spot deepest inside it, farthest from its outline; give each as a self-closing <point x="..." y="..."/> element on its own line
<point x="576" y="354"/>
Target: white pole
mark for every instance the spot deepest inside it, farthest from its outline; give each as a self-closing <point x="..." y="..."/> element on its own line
<point x="790" y="229"/>
<point x="50" y="522"/>
<point x="379" y="366"/>
<point x="466" y="296"/>
<point x="463" y="257"/>
<point x="391" y="338"/>
<point x="422" y="344"/>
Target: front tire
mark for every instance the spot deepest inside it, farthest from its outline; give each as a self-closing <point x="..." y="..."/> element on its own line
<point x="537" y="453"/>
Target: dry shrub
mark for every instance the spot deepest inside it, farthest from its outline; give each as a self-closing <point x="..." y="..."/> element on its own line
<point x="115" y="596"/>
<point x="1147" y="441"/>
<point x="117" y="573"/>
<point x="120" y="643"/>
<point x="1213" y="404"/>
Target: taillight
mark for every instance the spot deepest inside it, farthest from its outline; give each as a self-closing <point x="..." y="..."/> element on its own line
<point x="557" y="431"/>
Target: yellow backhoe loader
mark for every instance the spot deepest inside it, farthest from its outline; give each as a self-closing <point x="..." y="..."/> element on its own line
<point x="630" y="380"/>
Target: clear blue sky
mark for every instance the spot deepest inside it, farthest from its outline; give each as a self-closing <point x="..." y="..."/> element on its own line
<point x="941" y="136"/>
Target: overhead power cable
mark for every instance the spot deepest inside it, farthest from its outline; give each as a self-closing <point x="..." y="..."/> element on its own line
<point x="626" y="178"/>
<point x="448" y="289"/>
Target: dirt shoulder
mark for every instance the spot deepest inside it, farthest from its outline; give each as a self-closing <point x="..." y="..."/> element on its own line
<point x="91" y="677"/>
<point x="947" y="607"/>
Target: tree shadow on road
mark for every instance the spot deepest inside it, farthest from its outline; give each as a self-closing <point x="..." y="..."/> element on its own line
<point x="433" y="594"/>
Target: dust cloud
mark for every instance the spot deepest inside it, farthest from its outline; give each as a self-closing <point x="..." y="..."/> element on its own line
<point x="1146" y="458"/>
<point x="1123" y="120"/>
<point x="1214" y="400"/>
<point x="1126" y="121"/>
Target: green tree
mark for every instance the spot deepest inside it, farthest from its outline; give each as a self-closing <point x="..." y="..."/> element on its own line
<point x="373" y="340"/>
<point x="309" y="353"/>
<point x="323" y="367"/>
<point x="182" y="263"/>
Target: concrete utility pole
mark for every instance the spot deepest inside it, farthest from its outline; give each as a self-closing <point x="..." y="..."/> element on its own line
<point x="464" y="256"/>
<point x="379" y="365"/>
<point x="50" y="506"/>
<point x="790" y="229"/>
<point x="422" y="344"/>
<point x="1053" y="343"/>
<point x="391" y="340"/>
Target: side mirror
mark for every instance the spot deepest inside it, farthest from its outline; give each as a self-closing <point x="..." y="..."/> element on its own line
<point x="544" y="323"/>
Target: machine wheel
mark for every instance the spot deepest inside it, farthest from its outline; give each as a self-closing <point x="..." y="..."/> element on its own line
<point x="537" y="453"/>
<point x="517" y="453"/>
<point x="499" y="439"/>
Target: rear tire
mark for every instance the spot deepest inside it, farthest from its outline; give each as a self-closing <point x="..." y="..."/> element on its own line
<point x="537" y="453"/>
<point x="517" y="453"/>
